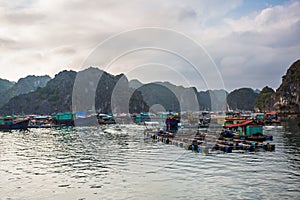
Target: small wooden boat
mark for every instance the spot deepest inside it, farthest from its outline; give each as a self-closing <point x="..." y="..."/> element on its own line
<point x="13" y="123"/>
<point x="104" y="119"/>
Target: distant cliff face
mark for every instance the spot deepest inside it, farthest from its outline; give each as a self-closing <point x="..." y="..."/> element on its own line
<point x="57" y="95"/>
<point x="5" y="85"/>
<point x="24" y="86"/>
<point x="158" y="94"/>
<point x="29" y="84"/>
<point x="242" y="99"/>
<point x="265" y="100"/>
<point x="44" y="100"/>
<point x="179" y="98"/>
<point x="115" y="94"/>
<point x="212" y="100"/>
<point x="287" y="96"/>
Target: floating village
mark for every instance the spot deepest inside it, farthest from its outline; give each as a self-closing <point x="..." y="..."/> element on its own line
<point x="204" y="132"/>
<point x="235" y="132"/>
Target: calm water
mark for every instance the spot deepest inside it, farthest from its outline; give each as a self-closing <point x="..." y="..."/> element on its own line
<point x="117" y="163"/>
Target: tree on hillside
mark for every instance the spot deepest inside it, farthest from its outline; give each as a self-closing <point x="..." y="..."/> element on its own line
<point x="263" y="100"/>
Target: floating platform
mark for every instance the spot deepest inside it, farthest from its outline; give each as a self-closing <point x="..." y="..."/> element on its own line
<point x="204" y="143"/>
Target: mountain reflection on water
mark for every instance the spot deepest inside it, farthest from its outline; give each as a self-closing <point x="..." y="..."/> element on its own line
<point x="116" y="162"/>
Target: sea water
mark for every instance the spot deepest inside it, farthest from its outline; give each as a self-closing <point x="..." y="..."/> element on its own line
<point x="117" y="162"/>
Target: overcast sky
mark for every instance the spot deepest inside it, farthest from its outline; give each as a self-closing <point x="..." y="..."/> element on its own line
<point x="245" y="43"/>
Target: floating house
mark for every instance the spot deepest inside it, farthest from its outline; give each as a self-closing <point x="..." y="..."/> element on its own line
<point x="64" y="119"/>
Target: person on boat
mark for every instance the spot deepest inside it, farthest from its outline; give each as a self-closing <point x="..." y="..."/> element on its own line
<point x="160" y="132"/>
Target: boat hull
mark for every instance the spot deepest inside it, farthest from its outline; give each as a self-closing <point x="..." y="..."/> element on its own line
<point x="20" y="125"/>
<point x="86" y="121"/>
<point x="65" y="122"/>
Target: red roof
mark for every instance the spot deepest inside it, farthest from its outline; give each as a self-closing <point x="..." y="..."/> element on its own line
<point x="245" y="123"/>
<point x="271" y="113"/>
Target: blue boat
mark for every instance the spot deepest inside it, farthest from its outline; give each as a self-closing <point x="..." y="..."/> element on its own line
<point x="13" y="123"/>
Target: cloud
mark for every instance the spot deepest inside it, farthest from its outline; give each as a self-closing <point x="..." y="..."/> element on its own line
<point x="262" y="40"/>
<point x="41" y="37"/>
<point x="7" y="43"/>
<point x="23" y="17"/>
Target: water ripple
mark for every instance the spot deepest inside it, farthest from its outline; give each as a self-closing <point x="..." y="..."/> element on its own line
<point x="114" y="163"/>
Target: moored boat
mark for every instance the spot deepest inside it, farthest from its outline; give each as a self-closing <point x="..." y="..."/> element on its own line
<point x="86" y="121"/>
<point x="13" y="123"/>
<point x="64" y="119"/>
<point x="234" y="118"/>
<point x="172" y="122"/>
<point x="40" y="121"/>
<point x="271" y="119"/>
<point x="104" y="119"/>
<point x="247" y="130"/>
<point x="140" y="118"/>
<point x="86" y="118"/>
<point x="204" y="119"/>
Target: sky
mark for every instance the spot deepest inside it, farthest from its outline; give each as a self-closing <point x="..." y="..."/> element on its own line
<point x="209" y="44"/>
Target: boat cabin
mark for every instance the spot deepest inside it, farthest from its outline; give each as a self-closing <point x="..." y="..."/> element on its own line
<point x="271" y="118"/>
<point x="246" y="128"/>
<point x="64" y="119"/>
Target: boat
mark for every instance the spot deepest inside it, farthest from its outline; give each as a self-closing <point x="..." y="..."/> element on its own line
<point x="40" y="121"/>
<point x="13" y="123"/>
<point x="64" y="119"/>
<point x="204" y="120"/>
<point x="259" y="117"/>
<point x="247" y="130"/>
<point x="172" y="122"/>
<point x="234" y="118"/>
<point x="86" y="118"/>
<point x="75" y="119"/>
<point x="86" y="121"/>
<point x="141" y="117"/>
<point x="104" y="119"/>
<point x="271" y="119"/>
